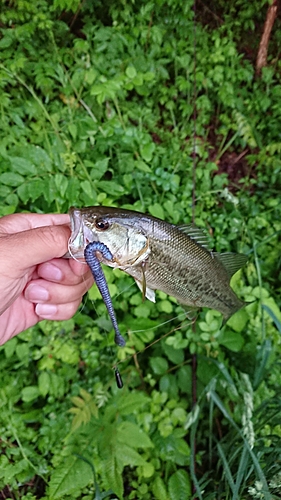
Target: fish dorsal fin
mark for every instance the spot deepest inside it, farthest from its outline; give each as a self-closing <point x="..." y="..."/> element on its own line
<point x="232" y="262"/>
<point x="195" y="234"/>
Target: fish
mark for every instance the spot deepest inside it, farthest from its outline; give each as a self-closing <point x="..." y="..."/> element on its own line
<point x="159" y="255"/>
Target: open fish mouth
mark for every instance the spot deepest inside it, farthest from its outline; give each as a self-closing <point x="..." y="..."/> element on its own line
<point x="80" y="236"/>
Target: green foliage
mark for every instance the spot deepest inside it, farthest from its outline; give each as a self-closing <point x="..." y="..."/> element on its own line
<point x="97" y="106"/>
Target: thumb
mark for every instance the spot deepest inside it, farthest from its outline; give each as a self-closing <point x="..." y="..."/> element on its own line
<point x="29" y="248"/>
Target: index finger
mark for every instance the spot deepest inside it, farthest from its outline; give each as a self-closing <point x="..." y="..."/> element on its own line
<point x="22" y="222"/>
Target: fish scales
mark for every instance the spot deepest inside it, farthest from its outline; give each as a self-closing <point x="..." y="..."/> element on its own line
<point x="189" y="273"/>
<point x="160" y="255"/>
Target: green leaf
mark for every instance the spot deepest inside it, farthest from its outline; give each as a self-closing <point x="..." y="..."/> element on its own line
<point x="68" y="353"/>
<point x="11" y="179"/>
<point x="128" y="432"/>
<point x="147" y="151"/>
<point x="159" y="490"/>
<point x="131" y="72"/>
<point x="113" y="475"/>
<point x="61" y="183"/>
<point x="4" y="191"/>
<point x="179" y="486"/>
<point x="147" y="469"/>
<point x="159" y="365"/>
<point x="165" y="306"/>
<point x="69" y="478"/>
<point x="36" y="188"/>
<point x="143" y="167"/>
<point x="174" y="355"/>
<point x="12" y="199"/>
<point x="273" y="317"/>
<point x="30" y="393"/>
<point x="7" y="40"/>
<point x="99" y="168"/>
<point x="156" y="210"/>
<point x="129" y="456"/>
<point x="22" y="166"/>
<point x="72" y="127"/>
<point x="87" y="188"/>
<point x="111" y="187"/>
<point x="239" y="320"/>
<point x="131" y="403"/>
<point x="44" y="383"/>
<point x="23" y="192"/>
<point x="231" y="340"/>
<point x="39" y="157"/>
<point x="143" y="310"/>
<point x="73" y="190"/>
<point x="10" y="347"/>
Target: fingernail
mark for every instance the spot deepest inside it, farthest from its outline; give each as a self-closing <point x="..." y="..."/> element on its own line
<point x="36" y="293"/>
<point x="51" y="272"/>
<point x="46" y="310"/>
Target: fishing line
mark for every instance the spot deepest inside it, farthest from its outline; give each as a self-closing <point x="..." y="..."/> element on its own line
<point x="83" y="304"/>
<point x="118" y="377"/>
<point x="161" y="324"/>
<point x="136" y="353"/>
<point x="73" y="256"/>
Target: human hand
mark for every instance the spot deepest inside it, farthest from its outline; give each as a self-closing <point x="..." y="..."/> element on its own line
<point x="35" y="282"/>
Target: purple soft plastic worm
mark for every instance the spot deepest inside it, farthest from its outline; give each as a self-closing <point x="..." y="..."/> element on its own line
<point x="94" y="265"/>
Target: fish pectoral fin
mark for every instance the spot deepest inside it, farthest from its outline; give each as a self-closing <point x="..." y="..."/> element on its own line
<point x="190" y="311"/>
<point x="232" y="262"/>
<point x="149" y="293"/>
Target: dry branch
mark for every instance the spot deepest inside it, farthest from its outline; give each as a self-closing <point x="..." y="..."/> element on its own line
<point x="263" y="47"/>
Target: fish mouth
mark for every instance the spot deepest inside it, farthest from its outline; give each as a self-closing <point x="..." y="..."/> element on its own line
<point x="80" y="236"/>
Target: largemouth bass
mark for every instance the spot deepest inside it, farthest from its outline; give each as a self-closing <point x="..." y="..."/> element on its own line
<point x="160" y="256"/>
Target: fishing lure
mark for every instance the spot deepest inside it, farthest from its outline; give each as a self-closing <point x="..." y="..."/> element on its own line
<point x="94" y="264"/>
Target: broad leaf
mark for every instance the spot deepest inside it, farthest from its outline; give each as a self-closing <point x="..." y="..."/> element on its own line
<point x="179" y="486"/>
<point x="69" y="477"/>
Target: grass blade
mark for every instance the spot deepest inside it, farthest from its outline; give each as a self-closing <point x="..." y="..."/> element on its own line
<point x="260" y="474"/>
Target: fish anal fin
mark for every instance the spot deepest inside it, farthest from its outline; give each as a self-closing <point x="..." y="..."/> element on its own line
<point x="232" y="262"/>
<point x="196" y="234"/>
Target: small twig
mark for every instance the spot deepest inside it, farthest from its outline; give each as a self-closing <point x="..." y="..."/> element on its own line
<point x="76" y="13"/>
<point x="88" y="109"/>
<point x="240" y="156"/>
<point x="148" y="31"/>
<point x="211" y="12"/>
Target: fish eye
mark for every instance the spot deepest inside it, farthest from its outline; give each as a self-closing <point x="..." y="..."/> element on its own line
<point x="101" y="224"/>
